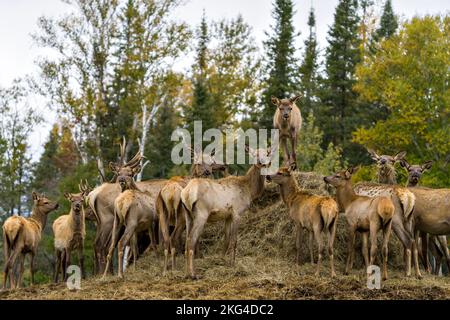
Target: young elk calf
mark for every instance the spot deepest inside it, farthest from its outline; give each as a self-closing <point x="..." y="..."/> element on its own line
<point x="22" y="235"/>
<point x="314" y="213"/>
<point x="69" y="231"/>
<point x="135" y="210"/>
<point x="288" y="120"/>
<point x="363" y="214"/>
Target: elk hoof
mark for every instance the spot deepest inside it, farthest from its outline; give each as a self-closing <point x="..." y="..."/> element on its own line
<point x="333" y="274"/>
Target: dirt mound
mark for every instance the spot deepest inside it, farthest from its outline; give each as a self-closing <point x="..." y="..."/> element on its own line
<point x="265" y="267"/>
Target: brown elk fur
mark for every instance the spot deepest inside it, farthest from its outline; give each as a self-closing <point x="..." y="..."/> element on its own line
<point x="69" y="231"/>
<point x="288" y="120"/>
<point x="317" y="214"/>
<point x="21" y="236"/>
<point x="364" y="214"/>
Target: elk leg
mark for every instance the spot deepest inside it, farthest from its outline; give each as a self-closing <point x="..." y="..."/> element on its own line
<point x="319" y="240"/>
<point x="124" y="241"/>
<point x="57" y="265"/>
<point x="283" y="143"/>
<point x="227" y="236"/>
<point x="298" y="240"/>
<point x="442" y="240"/>
<point x="311" y="246"/>
<point x="233" y="238"/>
<point x="294" y="154"/>
<point x="197" y="229"/>
<point x="10" y="266"/>
<point x="21" y="270"/>
<point x="164" y="230"/>
<point x="351" y="250"/>
<point x="134" y="247"/>
<point x="423" y="252"/>
<point x="81" y="260"/>
<point x="416" y="254"/>
<point x="331" y="237"/>
<point x="67" y="264"/>
<point x="115" y="233"/>
<point x="373" y="243"/>
<point x="175" y="239"/>
<point x="404" y="236"/>
<point x="385" y="250"/>
<point x="189" y="223"/>
<point x="364" y="248"/>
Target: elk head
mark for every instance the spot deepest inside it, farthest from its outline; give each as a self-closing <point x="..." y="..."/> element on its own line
<point x="282" y="175"/>
<point x="125" y="172"/>
<point x="262" y="156"/>
<point x="285" y="106"/>
<point x="203" y="164"/>
<point x="385" y="160"/>
<point x="415" y="171"/>
<point x="76" y="202"/>
<point x="43" y="204"/>
<point x="340" y="178"/>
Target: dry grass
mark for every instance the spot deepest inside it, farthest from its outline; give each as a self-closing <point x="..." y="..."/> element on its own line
<point x="265" y="268"/>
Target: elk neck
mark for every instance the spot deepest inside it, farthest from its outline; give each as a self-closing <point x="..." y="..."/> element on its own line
<point x="77" y="221"/>
<point x="288" y="190"/>
<point x="255" y="181"/>
<point x="386" y="175"/>
<point x="39" y="217"/>
<point x="345" y="195"/>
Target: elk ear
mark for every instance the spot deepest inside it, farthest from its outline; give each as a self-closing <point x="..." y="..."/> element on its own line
<point x="350" y="171"/>
<point x="114" y="167"/>
<point x="427" y="165"/>
<point x="136" y="170"/>
<point x="275" y="101"/>
<point x="35" y="195"/>
<point x="404" y="164"/>
<point x="294" y="99"/>
<point x="399" y="156"/>
<point x="291" y="167"/>
<point x="373" y="154"/>
<point x="67" y="195"/>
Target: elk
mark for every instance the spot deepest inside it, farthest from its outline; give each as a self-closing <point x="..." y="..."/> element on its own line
<point x="436" y="243"/>
<point x="135" y="210"/>
<point x="364" y="214"/>
<point x="101" y="201"/>
<point x="169" y="207"/>
<point x="69" y="231"/>
<point x="21" y="236"/>
<point x="207" y="200"/>
<point x="386" y="166"/>
<point x="288" y="120"/>
<point x="317" y="214"/>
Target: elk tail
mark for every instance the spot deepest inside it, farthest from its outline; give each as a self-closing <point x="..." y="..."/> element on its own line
<point x="407" y="201"/>
<point x="328" y="212"/>
<point x="385" y="209"/>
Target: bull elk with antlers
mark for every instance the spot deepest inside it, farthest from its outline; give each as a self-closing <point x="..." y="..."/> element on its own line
<point x="135" y="210"/>
<point x="21" y="236"/>
<point x="317" y="214"/>
<point x="102" y="198"/>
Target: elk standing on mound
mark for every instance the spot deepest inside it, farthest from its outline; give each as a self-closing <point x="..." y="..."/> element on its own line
<point x="226" y="199"/>
<point x="288" y="120"/>
<point x="135" y="210"/>
<point x="363" y="214"/>
<point x="314" y="213"/>
<point x="169" y="207"/>
<point x="21" y="236"/>
<point x="69" y="231"/>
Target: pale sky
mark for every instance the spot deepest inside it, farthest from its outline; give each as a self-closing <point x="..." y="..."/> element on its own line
<point x="18" y="20"/>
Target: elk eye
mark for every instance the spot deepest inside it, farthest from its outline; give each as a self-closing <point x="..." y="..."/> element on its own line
<point x="45" y="202"/>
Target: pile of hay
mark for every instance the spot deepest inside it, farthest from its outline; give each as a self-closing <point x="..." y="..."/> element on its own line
<point x="267" y="231"/>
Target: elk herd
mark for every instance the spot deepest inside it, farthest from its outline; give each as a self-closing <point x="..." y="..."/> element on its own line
<point x="124" y="209"/>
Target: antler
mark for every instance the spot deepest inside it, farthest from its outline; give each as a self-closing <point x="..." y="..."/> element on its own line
<point x="85" y="188"/>
<point x="123" y="146"/>
<point x="135" y="161"/>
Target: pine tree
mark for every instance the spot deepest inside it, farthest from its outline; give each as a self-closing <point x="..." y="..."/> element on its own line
<point x="388" y="22"/>
<point x="202" y="105"/>
<point x="340" y="115"/>
<point x="309" y="82"/>
<point x="281" y="66"/>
